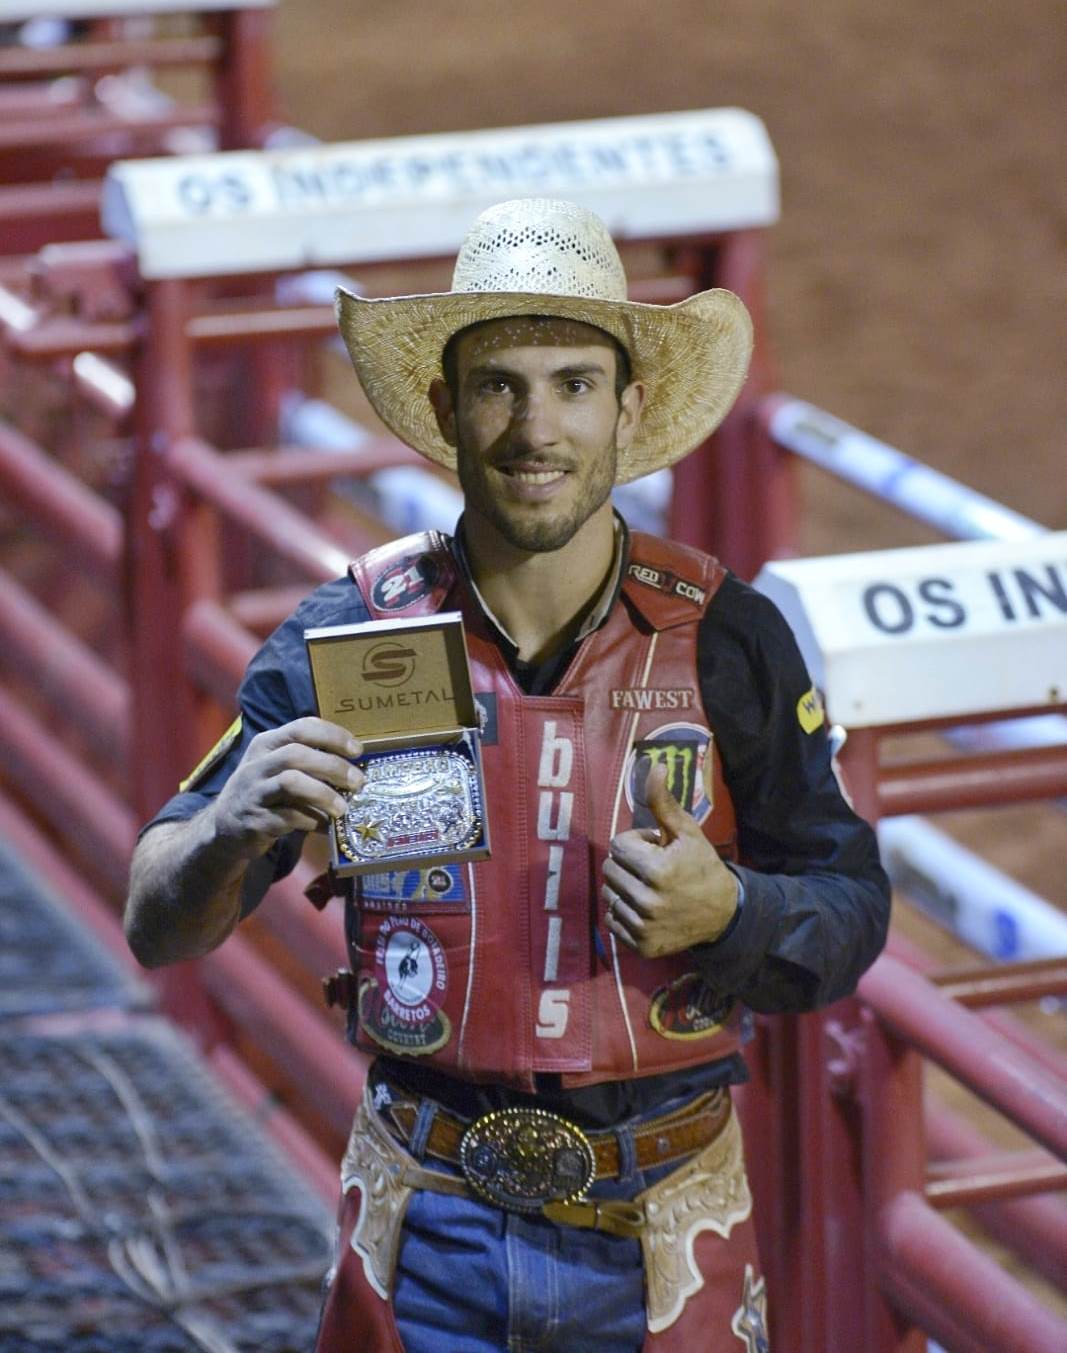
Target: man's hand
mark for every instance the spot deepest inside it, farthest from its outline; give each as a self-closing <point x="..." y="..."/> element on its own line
<point x="288" y="780"/>
<point x="666" y="890"/>
<point x="186" y="877"/>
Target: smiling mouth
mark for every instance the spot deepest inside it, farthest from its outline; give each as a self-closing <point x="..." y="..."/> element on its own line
<point x="533" y="475"/>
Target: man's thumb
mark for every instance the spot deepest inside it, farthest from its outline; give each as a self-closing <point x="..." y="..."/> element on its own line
<point x="670" y="816"/>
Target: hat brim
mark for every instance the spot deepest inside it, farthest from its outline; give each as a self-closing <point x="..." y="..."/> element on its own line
<point x="692" y="358"/>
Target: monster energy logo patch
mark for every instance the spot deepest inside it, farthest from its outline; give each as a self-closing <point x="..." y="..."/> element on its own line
<point x="684" y="750"/>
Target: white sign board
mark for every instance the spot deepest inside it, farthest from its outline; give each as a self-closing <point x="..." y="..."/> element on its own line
<point x="15" y="11"/>
<point x="896" y="636"/>
<point x="673" y="174"/>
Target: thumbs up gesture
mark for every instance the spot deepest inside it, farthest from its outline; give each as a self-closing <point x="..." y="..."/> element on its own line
<point x="665" y="886"/>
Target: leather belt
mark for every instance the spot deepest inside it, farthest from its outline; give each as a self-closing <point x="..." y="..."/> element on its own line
<point x="657" y="1141"/>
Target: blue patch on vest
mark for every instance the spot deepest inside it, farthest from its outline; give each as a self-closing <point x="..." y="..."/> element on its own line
<point x="430" y="886"/>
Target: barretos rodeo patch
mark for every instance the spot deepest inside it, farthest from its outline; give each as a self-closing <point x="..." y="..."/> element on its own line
<point x="684" y="749"/>
<point x="437" y="888"/>
<point x="400" y="1006"/>
<point x="688" y="1008"/>
<point x="405" y="582"/>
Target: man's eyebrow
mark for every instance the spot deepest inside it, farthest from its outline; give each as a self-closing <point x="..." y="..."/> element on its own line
<point x="581" y="369"/>
<point x="488" y="369"/>
<point x="491" y="368"/>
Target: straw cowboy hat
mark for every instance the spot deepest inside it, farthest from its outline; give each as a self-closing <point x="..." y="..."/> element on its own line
<point x="535" y="256"/>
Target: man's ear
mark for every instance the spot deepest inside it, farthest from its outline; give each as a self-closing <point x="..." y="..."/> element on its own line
<point x="444" y="410"/>
<point x="631" y="402"/>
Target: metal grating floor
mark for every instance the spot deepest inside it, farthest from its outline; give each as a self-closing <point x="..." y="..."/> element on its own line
<point x="140" y="1210"/>
<point x="48" y="963"/>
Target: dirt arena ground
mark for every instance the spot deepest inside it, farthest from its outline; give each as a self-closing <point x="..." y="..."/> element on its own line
<point x="917" y="279"/>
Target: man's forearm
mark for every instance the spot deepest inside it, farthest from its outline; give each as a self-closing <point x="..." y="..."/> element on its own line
<point x="185" y="891"/>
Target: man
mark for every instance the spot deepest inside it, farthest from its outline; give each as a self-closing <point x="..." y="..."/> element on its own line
<point x="547" y="1155"/>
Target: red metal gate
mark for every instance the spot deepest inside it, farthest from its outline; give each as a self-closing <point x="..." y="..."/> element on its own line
<point x="129" y="610"/>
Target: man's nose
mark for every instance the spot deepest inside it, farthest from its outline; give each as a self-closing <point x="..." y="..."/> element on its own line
<point x="534" y="423"/>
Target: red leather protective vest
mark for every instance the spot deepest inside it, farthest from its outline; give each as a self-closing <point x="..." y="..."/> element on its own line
<point x="502" y="969"/>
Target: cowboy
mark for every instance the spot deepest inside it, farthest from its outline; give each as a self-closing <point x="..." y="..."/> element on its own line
<point x="547" y="1154"/>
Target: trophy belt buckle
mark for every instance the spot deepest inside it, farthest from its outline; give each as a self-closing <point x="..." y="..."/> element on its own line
<point x="413" y="804"/>
<point x="520" y="1159"/>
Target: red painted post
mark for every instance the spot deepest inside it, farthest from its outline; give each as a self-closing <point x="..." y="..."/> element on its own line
<point x="894" y="1163"/>
<point x="734" y="494"/>
<point x="161" y="702"/>
<point x="835" y="1077"/>
<point x="243" y="84"/>
<point x="773" y="1151"/>
<point x="812" y="1257"/>
<point x="162" y="727"/>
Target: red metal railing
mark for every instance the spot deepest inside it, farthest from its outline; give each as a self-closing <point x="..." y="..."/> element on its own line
<point x="70" y="109"/>
<point x="835" y="1117"/>
<point x="924" y="1267"/>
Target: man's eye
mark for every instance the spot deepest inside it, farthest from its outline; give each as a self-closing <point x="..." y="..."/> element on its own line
<point x="493" y="385"/>
<point x="577" y="385"/>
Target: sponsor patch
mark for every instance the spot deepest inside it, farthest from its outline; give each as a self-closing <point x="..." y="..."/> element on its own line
<point x="750" y="1319"/>
<point x="688" y="1008"/>
<point x="207" y="764"/>
<point x="404" y="583"/>
<point x="670" y="583"/>
<point x="810" y="711"/>
<point x="651" y="577"/>
<point x="685" y="750"/>
<point x="652" y="697"/>
<point x="439" y="885"/>
<point x="400" y="1006"/>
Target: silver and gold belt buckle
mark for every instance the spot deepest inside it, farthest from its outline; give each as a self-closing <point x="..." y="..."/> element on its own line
<point x="414" y="804"/>
<point x="520" y="1159"/>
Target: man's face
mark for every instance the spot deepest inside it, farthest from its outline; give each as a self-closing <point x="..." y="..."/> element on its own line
<point x="537" y="424"/>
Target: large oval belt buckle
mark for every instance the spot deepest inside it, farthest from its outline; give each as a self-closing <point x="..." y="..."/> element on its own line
<point x="413" y="804"/>
<point x="520" y="1159"/>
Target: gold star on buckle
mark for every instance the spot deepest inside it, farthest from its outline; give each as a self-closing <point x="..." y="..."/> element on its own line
<point x="368" y="831"/>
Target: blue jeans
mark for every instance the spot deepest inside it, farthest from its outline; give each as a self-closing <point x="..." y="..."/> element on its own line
<point x="471" y="1278"/>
